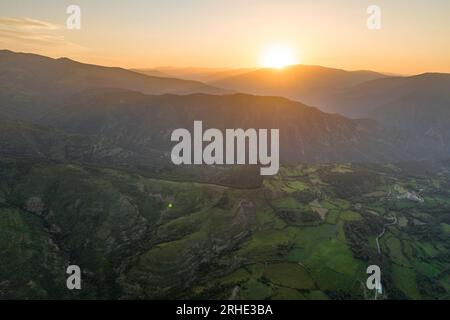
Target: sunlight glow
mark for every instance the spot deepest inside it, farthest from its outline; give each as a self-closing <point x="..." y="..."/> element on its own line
<point x="278" y="56"/>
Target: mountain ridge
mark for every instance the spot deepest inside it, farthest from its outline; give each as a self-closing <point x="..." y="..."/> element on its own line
<point x="306" y="83"/>
<point x="141" y="123"/>
<point x="96" y="75"/>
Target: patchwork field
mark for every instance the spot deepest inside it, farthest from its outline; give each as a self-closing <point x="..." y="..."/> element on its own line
<point x="308" y="233"/>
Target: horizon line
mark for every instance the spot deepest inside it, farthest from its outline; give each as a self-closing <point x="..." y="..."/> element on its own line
<point x="254" y="68"/>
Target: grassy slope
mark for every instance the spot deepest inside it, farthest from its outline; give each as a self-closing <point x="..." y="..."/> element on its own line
<point x="138" y="237"/>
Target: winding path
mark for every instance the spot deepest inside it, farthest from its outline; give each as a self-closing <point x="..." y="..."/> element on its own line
<point x="384" y="231"/>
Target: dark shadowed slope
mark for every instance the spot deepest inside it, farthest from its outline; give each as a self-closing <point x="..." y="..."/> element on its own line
<point x="375" y="98"/>
<point x="29" y="77"/>
<point x="417" y="108"/>
<point x="138" y="121"/>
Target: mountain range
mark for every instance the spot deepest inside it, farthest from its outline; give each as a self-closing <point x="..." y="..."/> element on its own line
<point x="309" y="84"/>
<point x="205" y="75"/>
<point x="96" y="103"/>
<point x="355" y="94"/>
<point x="86" y="179"/>
<point x="38" y="80"/>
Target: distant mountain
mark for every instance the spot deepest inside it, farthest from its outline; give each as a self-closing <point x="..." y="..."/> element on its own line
<point x="125" y="126"/>
<point x="376" y="98"/>
<point x="140" y="122"/>
<point x="202" y="74"/>
<point x="309" y="84"/>
<point x="29" y="77"/>
<point x="415" y="109"/>
<point x="152" y="73"/>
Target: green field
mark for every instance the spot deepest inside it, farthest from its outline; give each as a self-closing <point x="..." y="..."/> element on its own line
<point x="307" y="233"/>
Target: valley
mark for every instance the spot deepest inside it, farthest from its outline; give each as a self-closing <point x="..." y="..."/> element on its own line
<point x="218" y="241"/>
<point x="86" y="178"/>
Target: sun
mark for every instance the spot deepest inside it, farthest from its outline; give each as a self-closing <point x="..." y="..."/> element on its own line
<point x="278" y="56"/>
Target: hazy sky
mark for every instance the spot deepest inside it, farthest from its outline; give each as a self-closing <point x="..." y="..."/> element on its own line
<point x="414" y="37"/>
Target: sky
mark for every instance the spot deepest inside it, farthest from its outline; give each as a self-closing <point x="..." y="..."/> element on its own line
<point x="414" y="35"/>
